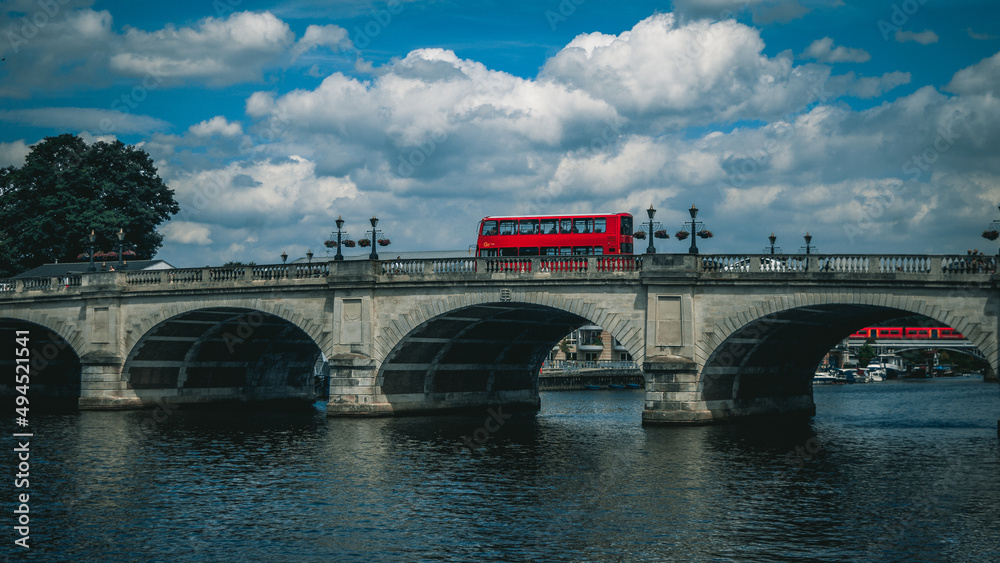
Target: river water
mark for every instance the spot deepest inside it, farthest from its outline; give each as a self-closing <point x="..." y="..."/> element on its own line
<point x="893" y="471"/>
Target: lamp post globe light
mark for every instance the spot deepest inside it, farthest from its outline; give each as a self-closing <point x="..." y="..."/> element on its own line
<point x="651" y="212"/>
<point x="772" y="238"/>
<point x="284" y="257"/>
<point x="374" y="222"/>
<point x="92" y="238"/>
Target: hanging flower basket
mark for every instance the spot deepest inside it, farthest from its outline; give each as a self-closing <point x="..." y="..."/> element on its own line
<point x="105" y="256"/>
<point x="348" y="243"/>
<point x="130" y="254"/>
<point x="83" y="256"/>
<point x="364" y="242"/>
<point x="384" y="242"/>
<point x="661" y="234"/>
<point x="991" y="235"/>
<point x="681" y="235"/>
<point x="705" y="233"/>
<point x="330" y="243"/>
<point x="639" y="234"/>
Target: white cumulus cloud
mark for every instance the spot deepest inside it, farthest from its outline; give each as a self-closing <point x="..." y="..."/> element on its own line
<point x="925" y="37"/>
<point x="218" y="125"/>
<point x="824" y="51"/>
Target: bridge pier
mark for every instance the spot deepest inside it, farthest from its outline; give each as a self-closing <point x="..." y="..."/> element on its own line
<point x="674" y="396"/>
<point x="101" y="385"/>
<point x="352" y="388"/>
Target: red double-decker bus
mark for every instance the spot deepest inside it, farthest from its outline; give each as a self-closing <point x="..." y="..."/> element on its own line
<point x="555" y="235"/>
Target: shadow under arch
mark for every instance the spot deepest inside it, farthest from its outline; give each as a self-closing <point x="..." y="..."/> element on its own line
<point x="483" y="354"/>
<point x="775" y="356"/>
<point x="222" y="354"/>
<point x="51" y="364"/>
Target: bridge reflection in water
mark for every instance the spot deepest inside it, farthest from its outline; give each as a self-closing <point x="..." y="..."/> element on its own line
<point x="718" y="336"/>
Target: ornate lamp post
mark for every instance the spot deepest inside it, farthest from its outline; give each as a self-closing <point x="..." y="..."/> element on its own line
<point x="92" y="238"/>
<point x="374" y="233"/>
<point x="340" y="227"/>
<point x="121" y="240"/>
<point x="992" y="233"/>
<point x="284" y="257"/>
<point x="772" y="238"/>
<point x="309" y="256"/>
<point x="694" y="229"/>
<point x="651" y="249"/>
<point x="808" y="238"/>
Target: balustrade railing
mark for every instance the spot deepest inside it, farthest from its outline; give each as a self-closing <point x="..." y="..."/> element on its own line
<point x="969" y="264"/>
<point x="268" y="273"/>
<point x="513" y="265"/>
<point x="563" y="264"/>
<point x="619" y="263"/>
<point x="848" y="264"/>
<point x="754" y="265"/>
<point x="144" y="277"/>
<point x="454" y="266"/>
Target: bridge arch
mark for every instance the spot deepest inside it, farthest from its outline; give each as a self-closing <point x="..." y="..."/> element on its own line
<point x="52" y="363"/>
<point x="141" y="325"/>
<point x="622" y="319"/>
<point x="770" y="350"/>
<point x="474" y="349"/>
<point x="213" y="354"/>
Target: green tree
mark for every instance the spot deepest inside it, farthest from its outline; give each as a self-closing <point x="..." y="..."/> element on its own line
<point x="866" y="353"/>
<point x="66" y="189"/>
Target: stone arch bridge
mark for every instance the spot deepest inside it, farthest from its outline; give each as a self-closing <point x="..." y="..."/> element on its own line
<point x="719" y="337"/>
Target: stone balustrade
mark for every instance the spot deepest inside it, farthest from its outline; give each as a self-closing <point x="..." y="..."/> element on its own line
<point x="929" y="267"/>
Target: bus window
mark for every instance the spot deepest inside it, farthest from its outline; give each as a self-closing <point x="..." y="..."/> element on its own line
<point x="529" y="226"/>
<point x="528" y="251"/>
<point x="583" y="225"/>
<point x="508" y="252"/>
<point x="489" y="228"/>
<point x="549" y="227"/>
<point x="488" y="253"/>
<point x="508" y="227"/>
<point x="598" y="250"/>
<point x="627" y="228"/>
<point x="600" y="225"/>
<point x="565" y="226"/>
<point x="549" y="251"/>
<point x="581" y="250"/>
<point x="565" y="251"/>
<point x="626" y="248"/>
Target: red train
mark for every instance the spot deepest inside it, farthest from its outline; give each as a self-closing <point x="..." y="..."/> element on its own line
<point x="555" y="235"/>
<point x="907" y="333"/>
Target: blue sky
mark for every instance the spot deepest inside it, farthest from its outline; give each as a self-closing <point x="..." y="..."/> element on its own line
<point x="872" y="125"/>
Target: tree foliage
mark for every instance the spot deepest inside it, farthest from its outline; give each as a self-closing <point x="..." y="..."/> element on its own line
<point x="67" y="188"/>
<point x="866" y="353"/>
